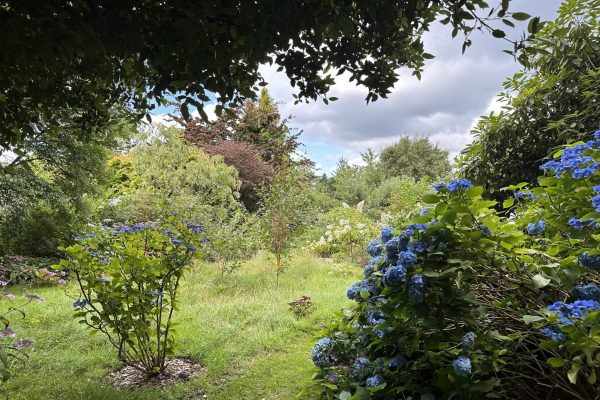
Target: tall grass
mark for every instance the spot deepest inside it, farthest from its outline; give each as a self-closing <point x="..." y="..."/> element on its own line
<point x="239" y="327"/>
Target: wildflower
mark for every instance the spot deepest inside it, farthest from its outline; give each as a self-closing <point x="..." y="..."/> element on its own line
<point x="586" y="292"/>
<point x="374" y="248"/>
<point x="468" y="341"/>
<point x="375" y="380"/>
<point x="416" y="288"/>
<point x="321" y="352"/>
<point x="394" y="275"/>
<point x="462" y="366"/>
<point x="62" y="282"/>
<point x="536" y="228"/>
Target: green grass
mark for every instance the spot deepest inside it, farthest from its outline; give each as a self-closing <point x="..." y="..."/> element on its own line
<point x="238" y="327"/>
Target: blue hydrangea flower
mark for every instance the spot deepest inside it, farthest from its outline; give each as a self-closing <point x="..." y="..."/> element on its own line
<point x="553" y="333"/>
<point x="439" y="186"/>
<point x="394" y="276"/>
<point x="375" y="317"/>
<point x="569" y="312"/>
<point x="103" y="280"/>
<point x="460" y="184"/>
<point x="419" y="247"/>
<point x="590" y="261"/>
<point x="485" y="231"/>
<point x="91" y="236"/>
<point x="586" y="292"/>
<point x="596" y="202"/>
<point x="197" y="228"/>
<point x="424" y="211"/>
<point x="536" y="228"/>
<point x="126" y="229"/>
<point x="574" y="161"/>
<point x="367" y="287"/>
<point x="412" y="228"/>
<point x="374" y="248"/>
<point x="362" y="367"/>
<point x="386" y="234"/>
<point x="79" y="303"/>
<point x="321" y="353"/>
<point x="168" y="232"/>
<point x="468" y="341"/>
<point x="176" y="241"/>
<point x="352" y="292"/>
<point x="407" y="258"/>
<point x="94" y="254"/>
<point x="597" y="189"/>
<point x="375" y="380"/>
<point x="416" y="288"/>
<point x="332" y="378"/>
<point x="525" y="195"/>
<point x="138" y="227"/>
<point x="392" y="247"/>
<point x="369" y="269"/>
<point x="191" y="248"/>
<point x="397" y="362"/>
<point x="462" y="366"/>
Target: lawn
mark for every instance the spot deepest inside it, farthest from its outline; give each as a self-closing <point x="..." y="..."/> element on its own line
<point x="238" y="327"/>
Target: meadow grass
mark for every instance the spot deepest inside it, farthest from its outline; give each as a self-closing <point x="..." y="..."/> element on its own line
<point x="238" y="327"/>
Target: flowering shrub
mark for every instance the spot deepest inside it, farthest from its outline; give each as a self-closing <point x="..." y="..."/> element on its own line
<point x="302" y="307"/>
<point x="128" y="278"/>
<point x="347" y="231"/>
<point x="20" y="269"/>
<point x="455" y="304"/>
<point x="13" y="351"/>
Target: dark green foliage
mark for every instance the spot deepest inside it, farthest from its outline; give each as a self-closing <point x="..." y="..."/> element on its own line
<point x="554" y="100"/>
<point x="82" y="57"/>
<point x="416" y="158"/>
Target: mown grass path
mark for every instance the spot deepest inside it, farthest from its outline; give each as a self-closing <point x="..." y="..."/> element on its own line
<point x="239" y="328"/>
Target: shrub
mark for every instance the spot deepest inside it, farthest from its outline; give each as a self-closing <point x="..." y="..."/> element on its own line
<point x="302" y="307"/>
<point x="23" y="269"/>
<point x="464" y="303"/>
<point x="128" y="278"/>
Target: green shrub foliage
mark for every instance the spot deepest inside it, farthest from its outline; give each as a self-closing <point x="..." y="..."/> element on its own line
<point x="128" y="277"/>
<point x="463" y="303"/>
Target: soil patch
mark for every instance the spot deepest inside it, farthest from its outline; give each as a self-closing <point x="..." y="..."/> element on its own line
<point x="178" y="369"/>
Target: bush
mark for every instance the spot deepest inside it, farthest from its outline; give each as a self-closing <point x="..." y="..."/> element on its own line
<point x="464" y="303"/>
<point x="302" y="307"/>
<point x="33" y="270"/>
<point x="128" y="279"/>
<point x="347" y="230"/>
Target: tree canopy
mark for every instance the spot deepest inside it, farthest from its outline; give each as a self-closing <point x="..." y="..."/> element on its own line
<point x="416" y="158"/>
<point x="555" y="99"/>
<point x="84" y="57"/>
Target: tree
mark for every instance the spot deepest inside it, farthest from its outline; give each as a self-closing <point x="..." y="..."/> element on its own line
<point x="555" y="99"/>
<point x="85" y="57"/>
<point x="416" y="158"/>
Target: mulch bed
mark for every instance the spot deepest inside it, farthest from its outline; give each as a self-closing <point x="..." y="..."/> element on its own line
<point x="178" y="369"/>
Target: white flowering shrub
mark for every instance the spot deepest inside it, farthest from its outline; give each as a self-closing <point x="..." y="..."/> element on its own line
<point x="347" y="232"/>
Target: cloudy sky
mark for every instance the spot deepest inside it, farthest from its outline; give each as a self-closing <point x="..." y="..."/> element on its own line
<point x="454" y="91"/>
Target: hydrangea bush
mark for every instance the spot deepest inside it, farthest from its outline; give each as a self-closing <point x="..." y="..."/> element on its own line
<point x="127" y="278"/>
<point x="465" y="302"/>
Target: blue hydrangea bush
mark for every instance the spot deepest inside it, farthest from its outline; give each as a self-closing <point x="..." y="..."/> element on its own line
<point x="467" y="301"/>
<point x="127" y="278"/>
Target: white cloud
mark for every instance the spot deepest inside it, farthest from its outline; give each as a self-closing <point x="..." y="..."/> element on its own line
<point x="454" y="91"/>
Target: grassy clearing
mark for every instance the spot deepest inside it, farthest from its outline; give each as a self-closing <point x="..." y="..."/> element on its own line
<point x="239" y="327"/>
